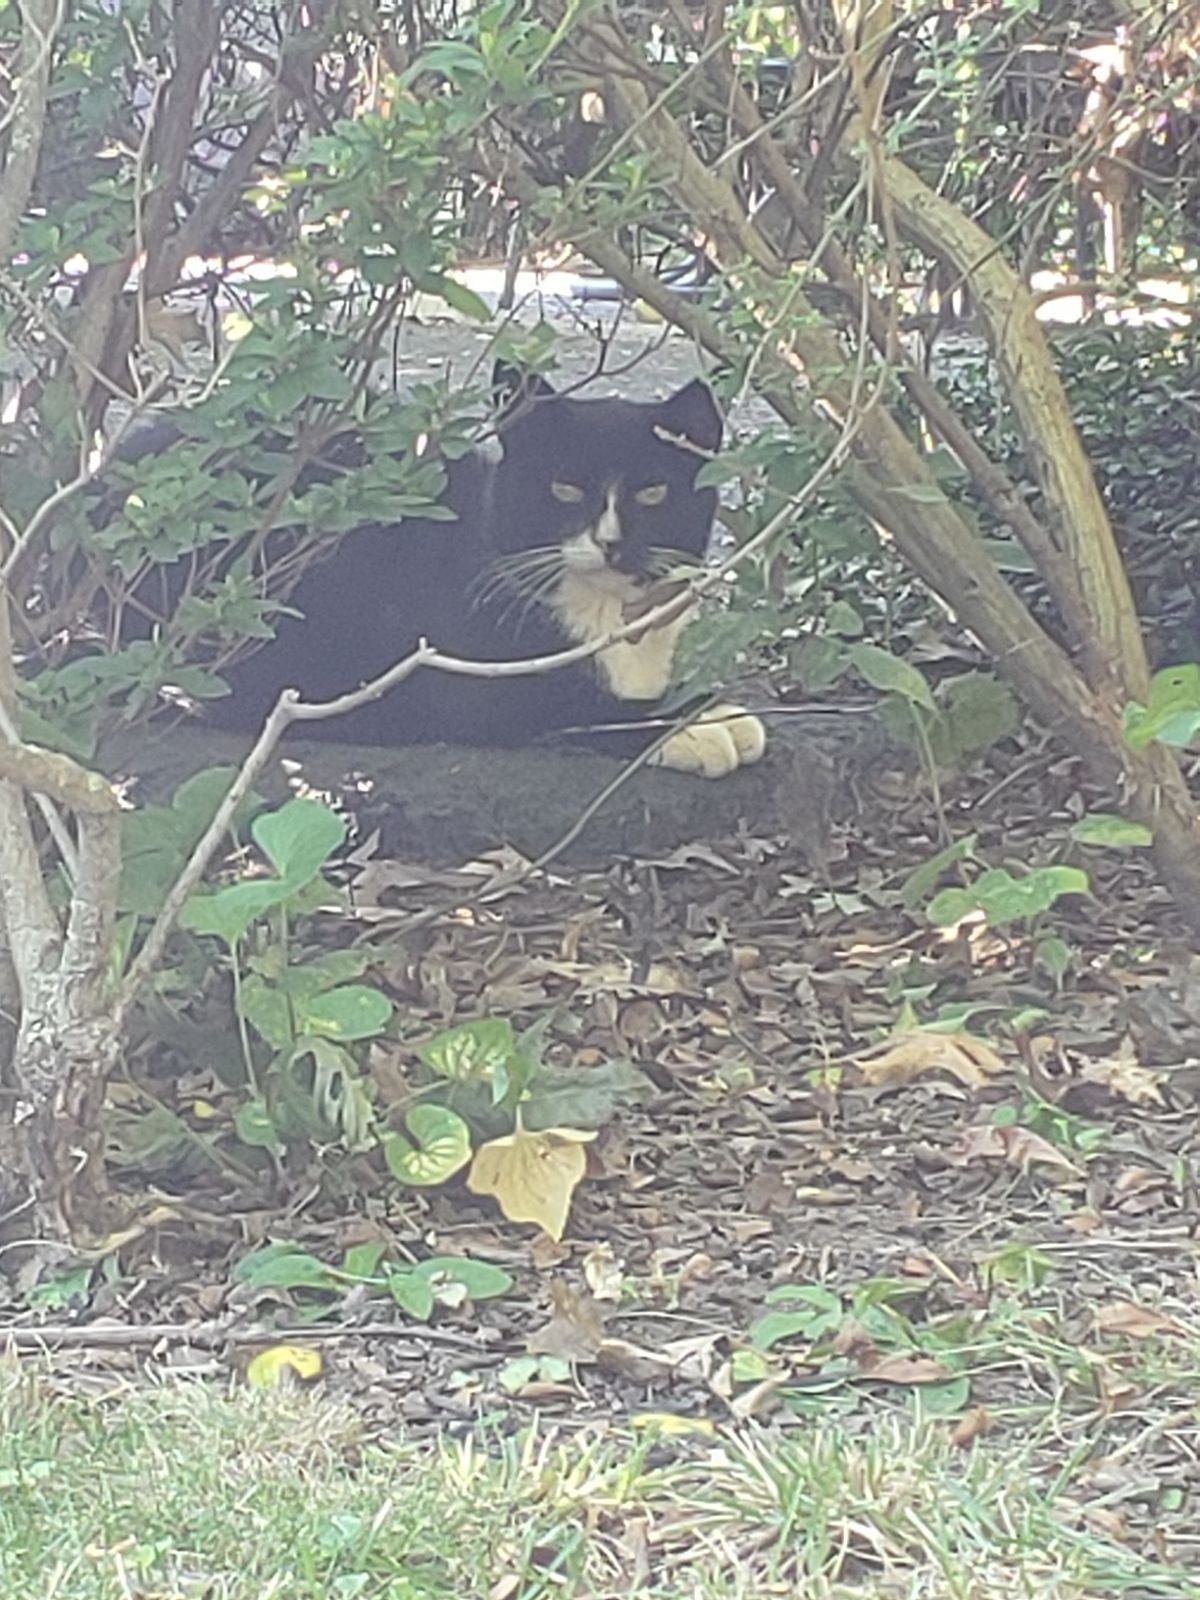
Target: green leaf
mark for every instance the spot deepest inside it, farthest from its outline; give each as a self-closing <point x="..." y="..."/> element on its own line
<point x="922" y="879"/>
<point x="579" y="1097"/>
<point x="470" y="1050"/>
<point x="883" y="670"/>
<point x="298" y="838"/>
<point x="842" y="618"/>
<point x="440" y="1146"/>
<point x="1053" y="955"/>
<point x="265" y="1007"/>
<point x="515" y="1374"/>
<point x="284" y="1266"/>
<point x="482" y="1280"/>
<point x="231" y="910"/>
<point x="818" y="662"/>
<point x="355" y="1011"/>
<point x="942" y="1399"/>
<point x="338" y="1095"/>
<point x="951" y="906"/>
<point x="1003" y="898"/>
<point x="412" y="1293"/>
<point x="1173" y="713"/>
<point x="775" y="1326"/>
<point x="922" y="494"/>
<point x="1107" y="828"/>
<point x="362" y="1260"/>
<point x="458" y="297"/>
<point x="254" y="1125"/>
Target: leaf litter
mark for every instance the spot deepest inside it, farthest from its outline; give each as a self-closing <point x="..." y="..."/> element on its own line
<point x="927" y="1128"/>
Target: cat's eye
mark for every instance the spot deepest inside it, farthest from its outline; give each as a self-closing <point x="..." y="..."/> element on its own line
<point x="652" y="495"/>
<point x="569" y="493"/>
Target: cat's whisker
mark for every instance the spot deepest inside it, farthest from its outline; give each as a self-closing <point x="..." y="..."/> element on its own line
<point x="515" y="573"/>
<point x="534" y="587"/>
<point x="540" y="592"/>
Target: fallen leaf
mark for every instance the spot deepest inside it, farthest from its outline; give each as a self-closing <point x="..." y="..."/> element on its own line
<point x="852" y="1339"/>
<point x="633" y="1360"/>
<point x="916" y="1052"/>
<point x="668" y="1423"/>
<point x="1020" y="1147"/>
<point x="575" y="1330"/>
<point x="902" y="1368"/>
<point x="1138" y="1322"/>
<point x="969" y="1428"/>
<point x="532" y="1176"/>
<point x="1123" y="1074"/>
<point x="283" y="1363"/>
<point x="604" y="1273"/>
<point x="754" y="1401"/>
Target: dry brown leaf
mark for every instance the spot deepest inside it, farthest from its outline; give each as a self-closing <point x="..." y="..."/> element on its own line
<point x="1020" y="1147"/>
<point x="575" y="1330"/>
<point x="1138" y="1322"/>
<point x="634" y="1361"/>
<point x="916" y="1052"/>
<point x="532" y="1176"/>
<point x="902" y="1368"/>
<point x="1116" y="1392"/>
<point x="852" y="1339"/>
<point x="1105" y="1520"/>
<point x="693" y="1356"/>
<point x="1123" y="1074"/>
<point x="617" y="977"/>
<point x="977" y="1421"/>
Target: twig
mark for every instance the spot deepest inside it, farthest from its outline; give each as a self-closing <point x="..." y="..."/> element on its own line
<point x="124" y="1336"/>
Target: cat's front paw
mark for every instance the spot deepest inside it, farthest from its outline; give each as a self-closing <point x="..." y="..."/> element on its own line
<point x="721" y="740"/>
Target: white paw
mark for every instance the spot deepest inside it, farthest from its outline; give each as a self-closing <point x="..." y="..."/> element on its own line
<point x="720" y="741"/>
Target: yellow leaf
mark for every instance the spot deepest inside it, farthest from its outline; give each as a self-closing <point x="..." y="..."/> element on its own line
<point x="282" y="1362"/>
<point x="669" y="1422"/>
<point x="532" y="1175"/>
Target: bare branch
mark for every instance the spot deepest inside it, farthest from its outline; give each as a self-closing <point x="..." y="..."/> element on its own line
<point x="40" y="21"/>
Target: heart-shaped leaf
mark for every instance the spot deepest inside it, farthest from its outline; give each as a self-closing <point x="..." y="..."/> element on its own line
<point x="440" y="1146"/>
<point x="472" y="1049"/>
<point x="883" y="670"/>
<point x="481" y="1279"/>
<point x="230" y="911"/>
<point x="298" y="838"/>
<point x="412" y="1294"/>
<point x="354" y="1011"/>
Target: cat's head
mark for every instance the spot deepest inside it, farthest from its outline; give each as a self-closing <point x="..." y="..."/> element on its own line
<point x="605" y="487"/>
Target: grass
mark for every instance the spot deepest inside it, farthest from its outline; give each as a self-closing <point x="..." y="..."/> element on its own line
<point x="180" y="1493"/>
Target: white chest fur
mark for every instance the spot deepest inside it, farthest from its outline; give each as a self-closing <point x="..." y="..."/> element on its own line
<point x="590" y="605"/>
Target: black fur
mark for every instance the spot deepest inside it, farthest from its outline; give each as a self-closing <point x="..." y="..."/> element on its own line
<point x="456" y="584"/>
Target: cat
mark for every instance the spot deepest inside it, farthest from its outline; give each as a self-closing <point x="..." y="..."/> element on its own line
<point x="556" y="543"/>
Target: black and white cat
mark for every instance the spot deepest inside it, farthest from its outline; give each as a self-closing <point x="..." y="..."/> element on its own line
<point x="556" y="543"/>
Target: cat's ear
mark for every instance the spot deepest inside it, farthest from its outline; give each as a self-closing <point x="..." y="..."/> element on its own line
<point x="694" y="413"/>
<point x="513" y="389"/>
